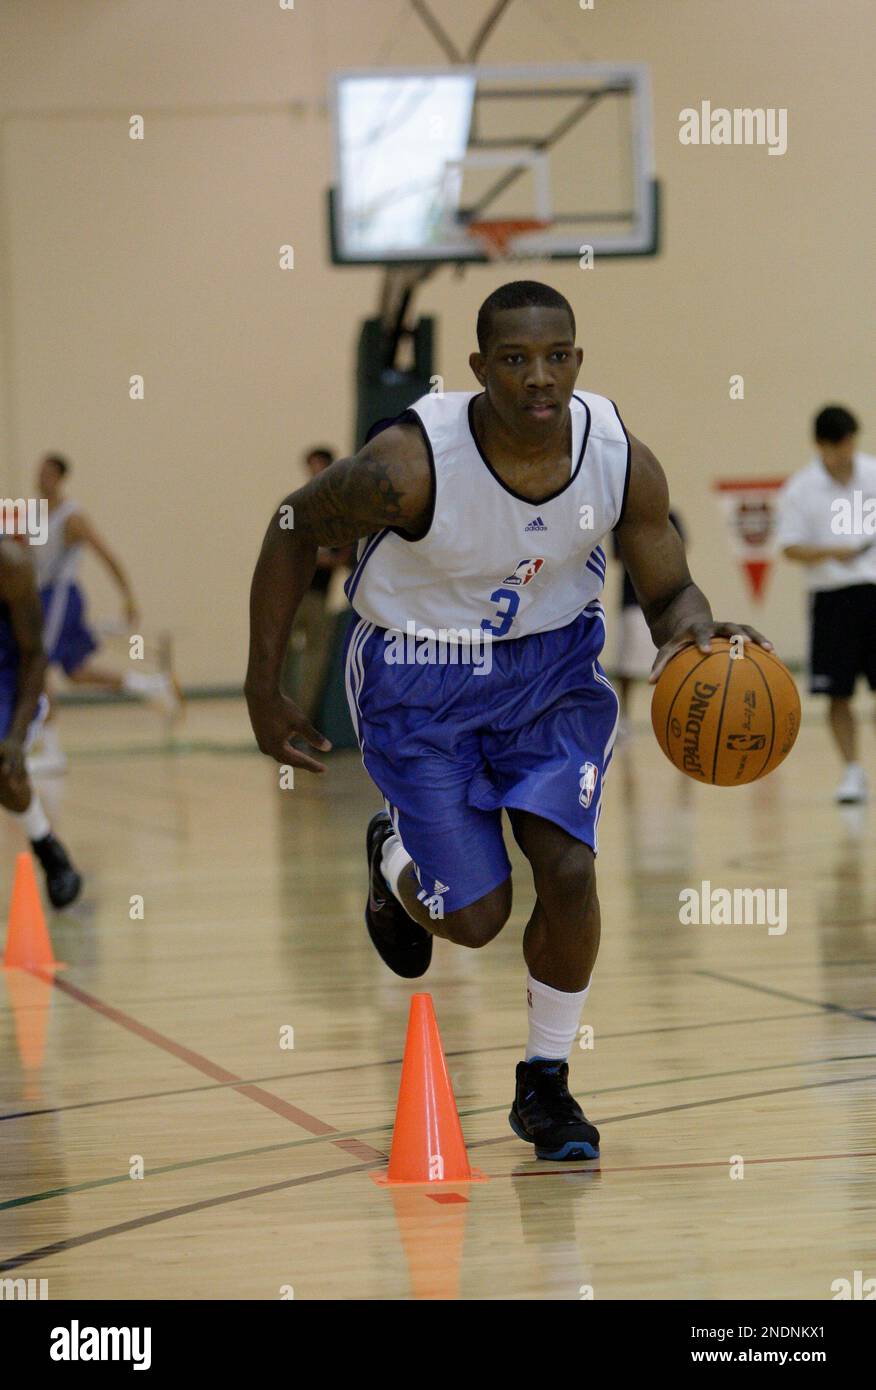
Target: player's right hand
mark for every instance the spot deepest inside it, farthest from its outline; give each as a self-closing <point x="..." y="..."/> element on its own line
<point x="275" y="721"/>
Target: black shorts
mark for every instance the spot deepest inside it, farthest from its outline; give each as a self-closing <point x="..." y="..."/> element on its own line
<point x="843" y="639"/>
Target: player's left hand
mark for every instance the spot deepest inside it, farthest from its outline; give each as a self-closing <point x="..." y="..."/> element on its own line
<point x="700" y="635"/>
<point x="12" y="758"/>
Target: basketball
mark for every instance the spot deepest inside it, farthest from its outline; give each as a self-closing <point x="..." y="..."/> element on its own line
<point x="725" y="719"/>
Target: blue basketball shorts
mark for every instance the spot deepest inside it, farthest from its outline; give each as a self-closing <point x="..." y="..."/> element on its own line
<point x="67" y="640"/>
<point x="448" y="745"/>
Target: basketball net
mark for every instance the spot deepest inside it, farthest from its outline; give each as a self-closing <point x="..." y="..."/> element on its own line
<point x="497" y="234"/>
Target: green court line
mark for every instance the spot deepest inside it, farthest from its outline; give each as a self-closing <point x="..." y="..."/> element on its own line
<point x="190" y="1163"/>
<point x="464" y="1114"/>
<point x="175" y="749"/>
<point x="454" y="1053"/>
<point x="191" y="693"/>
<point x="183" y="747"/>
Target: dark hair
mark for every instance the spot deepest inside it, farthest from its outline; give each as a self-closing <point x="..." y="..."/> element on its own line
<point x="834" y="423"/>
<point x="59" y="461"/>
<point x="519" y="294"/>
<point x="319" y="451"/>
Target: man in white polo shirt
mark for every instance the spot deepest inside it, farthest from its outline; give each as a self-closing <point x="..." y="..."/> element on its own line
<point x="827" y="522"/>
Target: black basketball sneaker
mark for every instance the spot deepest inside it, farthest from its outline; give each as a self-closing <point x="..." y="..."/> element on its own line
<point x="63" y="883"/>
<point x="545" y="1114"/>
<point x="401" y="943"/>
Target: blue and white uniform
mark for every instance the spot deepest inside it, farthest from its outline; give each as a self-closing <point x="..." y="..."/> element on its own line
<point x="472" y="672"/>
<point x="66" y="638"/>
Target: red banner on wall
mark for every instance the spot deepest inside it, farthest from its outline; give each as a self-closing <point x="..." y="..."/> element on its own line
<point x="751" y="514"/>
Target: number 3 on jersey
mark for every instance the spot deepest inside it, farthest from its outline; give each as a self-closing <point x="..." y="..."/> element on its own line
<point x="507" y="602"/>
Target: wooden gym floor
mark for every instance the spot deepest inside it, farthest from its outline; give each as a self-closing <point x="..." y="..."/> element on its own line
<point x="161" y="1040"/>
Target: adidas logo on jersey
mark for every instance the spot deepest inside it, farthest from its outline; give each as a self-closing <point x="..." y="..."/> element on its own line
<point x="537" y="525"/>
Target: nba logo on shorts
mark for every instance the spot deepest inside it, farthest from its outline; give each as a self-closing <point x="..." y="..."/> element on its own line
<point x="589" y="772"/>
<point x="524" y="571"/>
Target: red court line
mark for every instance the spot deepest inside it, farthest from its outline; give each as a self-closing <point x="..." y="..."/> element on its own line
<point x="284" y="1108"/>
<point x="358" y="1149"/>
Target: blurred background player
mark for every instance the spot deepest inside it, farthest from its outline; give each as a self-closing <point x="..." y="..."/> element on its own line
<point x="22" y="707"/>
<point x="68" y="641"/>
<point x="821" y="525"/>
<point x="635" y="650"/>
<point x="310" y="644"/>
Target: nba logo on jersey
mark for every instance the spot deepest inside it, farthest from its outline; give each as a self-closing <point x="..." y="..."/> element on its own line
<point x="587" y="783"/>
<point x="524" y="571"/>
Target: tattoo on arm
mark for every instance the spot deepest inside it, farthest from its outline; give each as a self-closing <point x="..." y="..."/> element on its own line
<point x="380" y="486"/>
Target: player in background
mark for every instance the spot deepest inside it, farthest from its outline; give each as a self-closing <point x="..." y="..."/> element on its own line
<point x="827" y="518"/>
<point x="68" y="641"/>
<point x="484" y="514"/>
<point x="22" y="705"/>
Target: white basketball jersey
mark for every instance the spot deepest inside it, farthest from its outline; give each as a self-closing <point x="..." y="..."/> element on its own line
<point x="491" y="560"/>
<point x="56" y="561"/>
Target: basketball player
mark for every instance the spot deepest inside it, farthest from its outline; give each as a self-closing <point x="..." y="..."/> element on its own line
<point x="68" y="641"/>
<point x="840" y="575"/>
<point x="482" y="515"/>
<point x="22" y="706"/>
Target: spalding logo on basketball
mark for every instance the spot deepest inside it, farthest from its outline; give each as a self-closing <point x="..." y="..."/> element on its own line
<point x="722" y="719"/>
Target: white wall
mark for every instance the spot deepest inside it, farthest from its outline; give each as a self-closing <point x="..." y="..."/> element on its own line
<point x="160" y="257"/>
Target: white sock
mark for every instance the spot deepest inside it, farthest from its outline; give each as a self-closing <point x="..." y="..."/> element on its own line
<point x="394" y="859"/>
<point x="144" y="682"/>
<point x="34" y="821"/>
<point x="554" y="1017"/>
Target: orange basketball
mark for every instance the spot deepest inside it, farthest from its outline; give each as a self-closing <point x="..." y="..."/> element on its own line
<point x="722" y="719"/>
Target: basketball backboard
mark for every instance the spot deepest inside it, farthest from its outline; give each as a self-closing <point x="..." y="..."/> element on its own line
<point x="421" y="153"/>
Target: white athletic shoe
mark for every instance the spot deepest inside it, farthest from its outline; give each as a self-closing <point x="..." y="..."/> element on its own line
<point x="853" y="788"/>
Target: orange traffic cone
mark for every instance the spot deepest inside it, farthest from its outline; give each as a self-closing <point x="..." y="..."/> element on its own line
<point x="28" y="944"/>
<point x="427" y="1142"/>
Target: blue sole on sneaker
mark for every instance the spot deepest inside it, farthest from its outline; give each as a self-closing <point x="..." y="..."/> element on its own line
<point x="574" y="1149"/>
<point x="569" y="1151"/>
